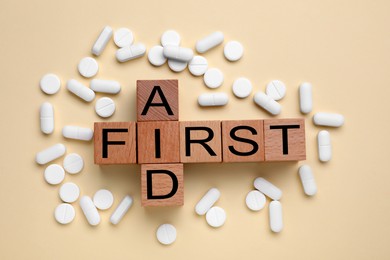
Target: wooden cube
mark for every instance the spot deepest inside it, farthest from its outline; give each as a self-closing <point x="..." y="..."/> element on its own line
<point x="157" y="100"/>
<point x="162" y="185"/>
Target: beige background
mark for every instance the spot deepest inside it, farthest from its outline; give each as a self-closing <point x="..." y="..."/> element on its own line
<point x="342" y="47"/>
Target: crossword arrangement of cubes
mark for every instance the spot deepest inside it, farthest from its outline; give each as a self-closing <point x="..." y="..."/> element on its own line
<point x="161" y="143"/>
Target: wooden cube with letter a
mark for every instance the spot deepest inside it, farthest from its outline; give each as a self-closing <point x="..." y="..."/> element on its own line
<point x="284" y="139"/>
<point x="162" y="185"/>
<point x="157" y="100"/>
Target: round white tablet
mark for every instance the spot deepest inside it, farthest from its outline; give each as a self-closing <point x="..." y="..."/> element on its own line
<point x="242" y="87"/>
<point x="255" y="200"/>
<point x="176" y="65"/>
<point x="156" y="56"/>
<point x="64" y="213"/>
<point x="213" y="78"/>
<point x="170" y="37"/>
<point x="103" y="199"/>
<point x="233" y="50"/>
<point x="105" y="107"/>
<point x="88" y="67"/>
<point x="216" y="217"/>
<point x="54" y="174"/>
<point x="198" y="66"/>
<point x="276" y="89"/>
<point x="50" y="84"/>
<point x="166" y="234"/>
<point x="123" y="37"/>
<point x="69" y="192"/>
<point x="73" y="163"/>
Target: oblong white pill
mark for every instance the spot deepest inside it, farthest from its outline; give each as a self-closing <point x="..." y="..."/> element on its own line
<point x="50" y="84"/>
<point x="46" y="114"/>
<point x="166" y="234"/>
<point x="130" y="52"/>
<point x="73" y="163"/>
<point x="255" y="200"/>
<point x="176" y="65"/>
<point x="207" y="201"/>
<point x="80" y="90"/>
<point x="105" y="86"/>
<point x="213" y="99"/>
<point x="233" y="51"/>
<point x="123" y="37"/>
<point x="170" y="37"/>
<point x="105" y="107"/>
<point x="78" y="133"/>
<point x="156" y="56"/>
<point x="178" y="53"/>
<point x="276" y="89"/>
<point x="209" y="42"/>
<point x="267" y="103"/>
<point x="89" y="210"/>
<point x="307" y="179"/>
<point x="121" y="210"/>
<point x="216" y="217"/>
<point x="328" y="119"/>
<point x="50" y="154"/>
<point x="102" y="40"/>
<point x="324" y="146"/>
<point x="103" y="199"/>
<point x="213" y="78"/>
<point x="267" y="188"/>
<point x="275" y="216"/>
<point x="54" y="174"/>
<point x="305" y="98"/>
<point x="88" y="67"/>
<point x="242" y="87"/>
<point x="64" y="213"/>
<point x="198" y="66"/>
<point x="69" y="192"/>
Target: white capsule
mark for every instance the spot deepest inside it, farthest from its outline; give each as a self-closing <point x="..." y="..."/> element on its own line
<point x="166" y="234"/>
<point x="267" y="103"/>
<point x="102" y="41"/>
<point x="328" y="119"/>
<point x="78" y="133"/>
<point x="105" y="86"/>
<point x="123" y="37"/>
<point x="178" y="53"/>
<point x="50" y="84"/>
<point x="105" y="107"/>
<point x="54" y="174"/>
<point x="213" y="99"/>
<point x="324" y="146"/>
<point x="213" y="78"/>
<point x="121" y="210"/>
<point x="276" y="216"/>
<point x="73" y="163"/>
<point x="177" y="66"/>
<point x="88" y="67"/>
<point x="233" y="51"/>
<point x="242" y="87"/>
<point x="216" y="217"/>
<point x="80" y="90"/>
<point x="90" y="210"/>
<point x="198" y="66"/>
<point x="307" y="179"/>
<point x="50" y="154"/>
<point x="255" y="200"/>
<point x="276" y="90"/>
<point x="268" y="188"/>
<point x="170" y="37"/>
<point x="103" y="199"/>
<point x="69" y="192"/>
<point x="130" y="52"/>
<point x="64" y="213"/>
<point x="207" y="201"/>
<point x="209" y="42"/>
<point x="305" y="98"/>
<point x="156" y="56"/>
<point x="47" y="118"/>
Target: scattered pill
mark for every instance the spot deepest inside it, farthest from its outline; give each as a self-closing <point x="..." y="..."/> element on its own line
<point x="102" y="41"/>
<point x="166" y="234"/>
<point x="130" y="52"/>
<point x="78" y="133"/>
<point x="156" y="56"/>
<point x="170" y="37"/>
<point x="276" y="90"/>
<point x="103" y="199"/>
<point x="50" y="154"/>
<point x="242" y="87"/>
<point x="275" y="216"/>
<point x="178" y="53"/>
<point x="105" y="86"/>
<point x="324" y="146"/>
<point x="328" y="119"/>
<point x="88" y="67"/>
<point x="64" y="213"/>
<point x="105" y="107"/>
<point x="305" y="98"/>
<point x="268" y="188"/>
<point x="47" y="118"/>
<point x="69" y="192"/>
<point x="267" y="103"/>
<point x="176" y="65"/>
<point x="89" y="210"/>
<point x="216" y="217"/>
<point x="213" y="78"/>
<point x="209" y="42"/>
<point x="213" y="99"/>
<point x="233" y="51"/>
<point x="123" y="37"/>
<point x="207" y="201"/>
<point x="50" y="84"/>
<point x="121" y="210"/>
<point x="198" y="65"/>
<point x="255" y="200"/>
<point x="54" y="174"/>
<point x="307" y="179"/>
<point x="73" y="163"/>
<point x="80" y="90"/>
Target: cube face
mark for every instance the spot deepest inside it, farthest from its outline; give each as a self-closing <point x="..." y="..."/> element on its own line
<point x="284" y="139"/>
<point x="162" y="185"/>
<point x="115" y="143"/>
<point x="243" y="141"/>
<point x="200" y="141"/>
<point x="157" y="100"/>
<point x="158" y="142"/>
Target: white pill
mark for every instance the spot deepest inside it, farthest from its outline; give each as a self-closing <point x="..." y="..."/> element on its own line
<point x="267" y="103"/>
<point x="307" y="179"/>
<point x="64" y="213"/>
<point x="105" y="86"/>
<point x="233" y="51"/>
<point x="275" y="216"/>
<point x="255" y="200"/>
<point x="69" y="192"/>
<point x="123" y="37"/>
<point x="50" y="154"/>
<point x="121" y="210"/>
<point x="209" y="42"/>
<point x="242" y="87"/>
<point x="166" y="234"/>
<point x="50" y="84"/>
<point x="103" y="199"/>
<point x="305" y="98"/>
<point x="213" y="78"/>
<point x="276" y="89"/>
<point x="207" y="201"/>
<point x="54" y="174"/>
<point x="105" y="107"/>
<point x="170" y="37"/>
<point x="156" y="56"/>
<point x="88" y="67"/>
<point x="46" y="114"/>
<point x="130" y="52"/>
<point x="176" y="65"/>
<point x="198" y="65"/>
<point x="268" y="188"/>
<point x="328" y="119"/>
<point x="73" y="163"/>
<point x="78" y="133"/>
<point x="80" y="90"/>
<point x="102" y="40"/>
<point x="216" y="217"/>
<point x="324" y="146"/>
<point x="178" y="53"/>
<point x="213" y="99"/>
<point x="89" y="210"/>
